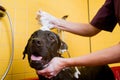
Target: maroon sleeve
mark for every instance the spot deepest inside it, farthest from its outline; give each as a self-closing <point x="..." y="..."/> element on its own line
<point x="105" y="19"/>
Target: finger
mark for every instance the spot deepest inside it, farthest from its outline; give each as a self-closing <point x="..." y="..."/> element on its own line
<point x="50" y="77"/>
<point x="41" y="72"/>
<point x="42" y="13"/>
<point x="38" y="17"/>
<point x="39" y="12"/>
<point x="47" y="76"/>
<point x="44" y="71"/>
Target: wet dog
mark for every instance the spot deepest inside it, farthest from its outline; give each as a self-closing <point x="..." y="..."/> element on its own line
<point x="42" y="46"/>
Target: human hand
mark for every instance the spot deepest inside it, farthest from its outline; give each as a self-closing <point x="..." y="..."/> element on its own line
<point x="46" y="19"/>
<point x="53" y="68"/>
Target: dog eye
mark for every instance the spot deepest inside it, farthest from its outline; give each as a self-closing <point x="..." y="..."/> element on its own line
<point x="51" y="38"/>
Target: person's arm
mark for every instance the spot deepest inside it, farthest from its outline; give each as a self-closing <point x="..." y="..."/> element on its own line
<point x="82" y="29"/>
<point x="102" y="57"/>
<point x="76" y="28"/>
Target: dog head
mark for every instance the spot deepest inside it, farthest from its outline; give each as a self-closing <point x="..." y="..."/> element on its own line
<point x="42" y="47"/>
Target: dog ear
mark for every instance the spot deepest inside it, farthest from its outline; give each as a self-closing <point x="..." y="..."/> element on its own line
<point x="24" y="54"/>
<point x="25" y="51"/>
<point x="63" y="47"/>
<point x="26" y="47"/>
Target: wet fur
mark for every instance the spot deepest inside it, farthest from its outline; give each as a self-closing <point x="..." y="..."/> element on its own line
<point x="87" y="72"/>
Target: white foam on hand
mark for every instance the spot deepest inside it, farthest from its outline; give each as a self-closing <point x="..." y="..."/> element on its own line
<point x="44" y="19"/>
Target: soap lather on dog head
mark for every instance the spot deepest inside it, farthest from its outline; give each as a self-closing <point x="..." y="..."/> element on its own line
<point x="42" y="47"/>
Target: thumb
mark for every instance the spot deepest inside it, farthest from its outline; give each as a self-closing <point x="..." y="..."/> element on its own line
<point x="41" y="71"/>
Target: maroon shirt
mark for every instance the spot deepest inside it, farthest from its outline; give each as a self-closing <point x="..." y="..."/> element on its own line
<point x="108" y="15"/>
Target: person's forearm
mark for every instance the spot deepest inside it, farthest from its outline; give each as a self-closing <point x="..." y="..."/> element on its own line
<point x="77" y="28"/>
<point x="106" y="56"/>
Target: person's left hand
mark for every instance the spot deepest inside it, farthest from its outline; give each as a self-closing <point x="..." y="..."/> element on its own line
<point x="44" y="17"/>
<point x="54" y="67"/>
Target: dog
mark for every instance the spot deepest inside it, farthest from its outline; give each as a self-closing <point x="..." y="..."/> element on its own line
<point x="42" y="46"/>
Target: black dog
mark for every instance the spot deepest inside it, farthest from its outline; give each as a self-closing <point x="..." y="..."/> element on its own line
<point x="44" y="45"/>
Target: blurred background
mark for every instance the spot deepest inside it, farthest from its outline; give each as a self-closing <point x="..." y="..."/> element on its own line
<point x="23" y="13"/>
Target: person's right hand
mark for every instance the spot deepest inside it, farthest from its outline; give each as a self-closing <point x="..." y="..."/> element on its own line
<point x="53" y="68"/>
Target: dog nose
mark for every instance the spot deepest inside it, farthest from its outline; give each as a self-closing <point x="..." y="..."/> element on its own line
<point x="36" y="42"/>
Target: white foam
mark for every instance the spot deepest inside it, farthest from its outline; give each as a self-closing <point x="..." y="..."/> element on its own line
<point x="45" y="20"/>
